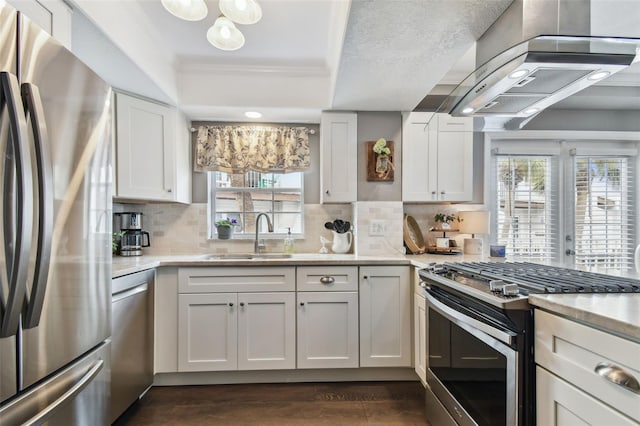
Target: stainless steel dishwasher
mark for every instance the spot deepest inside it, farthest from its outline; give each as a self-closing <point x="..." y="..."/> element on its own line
<point x="132" y="339"/>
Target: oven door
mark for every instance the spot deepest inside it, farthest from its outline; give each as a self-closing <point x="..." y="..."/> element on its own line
<point x="472" y="364"/>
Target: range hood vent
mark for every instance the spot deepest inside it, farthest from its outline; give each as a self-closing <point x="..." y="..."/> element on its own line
<point x="542" y="51"/>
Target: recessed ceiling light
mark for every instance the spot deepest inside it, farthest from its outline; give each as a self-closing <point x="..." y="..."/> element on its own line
<point x="253" y="114"/>
<point x="518" y="73"/>
<point x="598" y="75"/>
<point x="531" y="111"/>
<point x="467" y="110"/>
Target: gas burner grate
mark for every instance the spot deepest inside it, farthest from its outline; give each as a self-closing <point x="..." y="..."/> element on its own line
<point x="547" y="279"/>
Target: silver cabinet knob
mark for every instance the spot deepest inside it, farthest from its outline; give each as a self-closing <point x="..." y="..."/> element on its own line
<point x="327" y="192"/>
<point x="301" y="303"/>
<point x="241" y="303"/>
<point x="231" y="305"/>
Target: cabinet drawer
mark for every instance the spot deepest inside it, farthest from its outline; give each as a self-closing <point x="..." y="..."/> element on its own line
<point x="559" y="403"/>
<point x="234" y="279"/>
<point x="327" y="278"/>
<point x="573" y="351"/>
<point x="446" y="123"/>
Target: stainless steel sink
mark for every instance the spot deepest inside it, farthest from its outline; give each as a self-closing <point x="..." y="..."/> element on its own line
<point x="247" y="256"/>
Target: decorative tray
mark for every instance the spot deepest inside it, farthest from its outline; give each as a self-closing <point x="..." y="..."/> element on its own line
<point x="444" y="250"/>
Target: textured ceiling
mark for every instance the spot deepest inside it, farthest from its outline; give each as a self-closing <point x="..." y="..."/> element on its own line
<point x="396" y="51"/>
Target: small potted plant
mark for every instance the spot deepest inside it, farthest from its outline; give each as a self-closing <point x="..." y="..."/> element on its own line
<point x="443" y="220"/>
<point x="225" y="228"/>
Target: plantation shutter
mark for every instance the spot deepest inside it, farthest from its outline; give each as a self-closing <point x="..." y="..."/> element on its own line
<point x="604" y="211"/>
<point x="525" y="217"/>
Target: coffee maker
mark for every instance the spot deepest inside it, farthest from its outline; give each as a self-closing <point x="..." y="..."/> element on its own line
<point x="133" y="239"/>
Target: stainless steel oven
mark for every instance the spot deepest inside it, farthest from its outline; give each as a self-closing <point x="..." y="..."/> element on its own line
<point x="480" y="364"/>
<point x="475" y="362"/>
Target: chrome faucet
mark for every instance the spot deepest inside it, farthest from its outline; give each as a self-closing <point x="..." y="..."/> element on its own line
<point x="258" y="245"/>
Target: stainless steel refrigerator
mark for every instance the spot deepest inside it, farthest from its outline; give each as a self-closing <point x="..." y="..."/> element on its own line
<point x="55" y="210"/>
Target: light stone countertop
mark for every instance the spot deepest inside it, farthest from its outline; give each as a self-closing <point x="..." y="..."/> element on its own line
<point x="617" y="313"/>
<point x="129" y="265"/>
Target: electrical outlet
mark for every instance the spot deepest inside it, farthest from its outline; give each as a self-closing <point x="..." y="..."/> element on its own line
<point x="377" y="228"/>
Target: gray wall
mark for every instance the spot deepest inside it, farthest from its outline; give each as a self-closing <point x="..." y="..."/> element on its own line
<point x="596" y="120"/>
<point x="311" y="176"/>
<point x="371" y="127"/>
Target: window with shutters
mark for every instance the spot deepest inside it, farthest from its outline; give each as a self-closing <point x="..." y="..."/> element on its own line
<point x="526" y="205"/>
<point x="604" y="213"/>
<point x="572" y="203"/>
<point x="242" y="196"/>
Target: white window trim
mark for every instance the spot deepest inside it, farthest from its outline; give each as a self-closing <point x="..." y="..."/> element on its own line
<point x="211" y="235"/>
<point x="625" y="143"/>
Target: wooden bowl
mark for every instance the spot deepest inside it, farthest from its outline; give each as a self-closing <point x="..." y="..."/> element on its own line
<point x="413" y="235"/>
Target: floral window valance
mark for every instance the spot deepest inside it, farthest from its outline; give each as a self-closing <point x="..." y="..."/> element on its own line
<point x="238" y="149"/>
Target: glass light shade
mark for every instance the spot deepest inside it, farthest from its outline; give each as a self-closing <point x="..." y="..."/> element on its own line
<point x="243" y="12"/>
<point x="474" y="222"/>
<point x="189" y="10"/>
<point x="224" y="35"/>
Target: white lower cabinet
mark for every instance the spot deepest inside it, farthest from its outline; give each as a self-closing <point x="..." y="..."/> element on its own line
<point x="585" y="376"/>
<point x="225" y="324"/>
<point x="266" y="331"/>
<point x="207" y="332"/>
<point x="327" y="329"/>
<point x="560" y="404"/>
<point x="385" y="316"/>
<point x="420" y="336"/>
<point x="229" y="331"/>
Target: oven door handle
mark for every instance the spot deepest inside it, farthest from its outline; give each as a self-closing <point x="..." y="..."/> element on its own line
<point x="466" y="322"/>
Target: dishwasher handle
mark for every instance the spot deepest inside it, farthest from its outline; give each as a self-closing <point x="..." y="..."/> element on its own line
<point x="130" y="292"/>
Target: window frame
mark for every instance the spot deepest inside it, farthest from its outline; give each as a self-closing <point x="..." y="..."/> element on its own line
<point x="610" y="144"/>
<point x="212" y="211"/>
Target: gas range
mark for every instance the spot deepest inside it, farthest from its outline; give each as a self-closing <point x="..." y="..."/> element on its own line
<point x="508" y="284"/>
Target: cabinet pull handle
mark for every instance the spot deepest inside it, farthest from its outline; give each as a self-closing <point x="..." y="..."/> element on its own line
<point x="301" y="303"/>
<point x="327" y="192"/>
<point x="327" y="280"/>
<point x="366" y="277"/>
<point x="618" y="376"/>
<point x="169" y="190"/>
<point x="231" y="305"/>
<point x="241" y="303"/>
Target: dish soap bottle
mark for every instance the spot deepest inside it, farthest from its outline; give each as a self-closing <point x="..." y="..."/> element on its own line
<point x="288" y="243"/>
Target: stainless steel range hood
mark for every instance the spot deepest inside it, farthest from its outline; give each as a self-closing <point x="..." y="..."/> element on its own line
<point x="542" y="51"/>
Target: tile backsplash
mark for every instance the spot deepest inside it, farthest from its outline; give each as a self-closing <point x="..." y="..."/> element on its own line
<point x="182" y="229"/>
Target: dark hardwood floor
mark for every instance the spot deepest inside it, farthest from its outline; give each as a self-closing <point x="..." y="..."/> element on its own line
<point x="361" y="403"/>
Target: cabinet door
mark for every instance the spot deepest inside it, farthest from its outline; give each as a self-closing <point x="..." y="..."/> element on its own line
<point x="207" y="332"/>
<point x="420" y="336"/>
<point x="455" y="166"/>
<point x="338" y="157"/>
<point x="327" y="329"/>
<point x="385" y="316"/>
<point x="144" y="149"/>
<point x="560" y="404"/>
<point x="53" y="16"/>
<point x="266" y="331"/>
<point x="416" y="136"/>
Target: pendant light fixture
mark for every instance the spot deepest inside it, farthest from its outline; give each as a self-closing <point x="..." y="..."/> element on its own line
<point x="224" y="35"/>
<point x="189" y="10"/>
<point x="245" y="12"/>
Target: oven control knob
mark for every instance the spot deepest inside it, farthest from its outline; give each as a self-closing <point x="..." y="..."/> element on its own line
<point x="510" y="290"/>
<point x="496" y="285"/>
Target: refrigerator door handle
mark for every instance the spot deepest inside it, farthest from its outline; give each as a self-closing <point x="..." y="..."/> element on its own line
<point x="17" y="256"/>
<point x="44" y="168"/>
<point x="48" y="411"/>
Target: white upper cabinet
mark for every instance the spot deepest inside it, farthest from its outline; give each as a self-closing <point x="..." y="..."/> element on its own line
<point x="338" y="157"/>
<point x="53" y="16"/>
<point x="152" y="151"/>
<point x="437" y="158"/>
